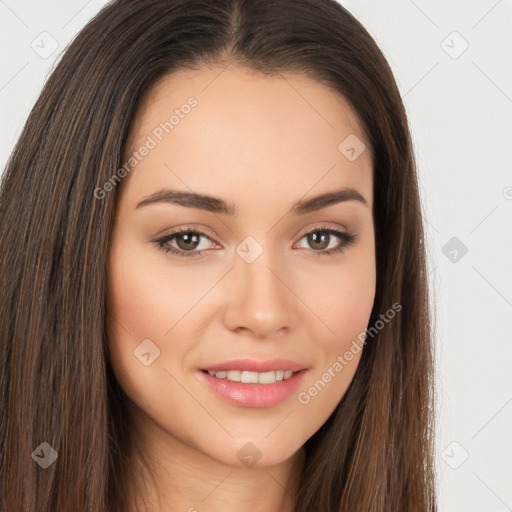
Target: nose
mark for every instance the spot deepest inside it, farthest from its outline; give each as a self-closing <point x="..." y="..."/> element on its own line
<point x="261" y="299"/>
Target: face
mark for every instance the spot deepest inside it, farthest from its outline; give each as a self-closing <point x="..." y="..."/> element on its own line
<point x="254" y="282"/>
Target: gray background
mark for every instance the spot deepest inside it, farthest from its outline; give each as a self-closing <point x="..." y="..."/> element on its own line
<point x="453" y="64"/>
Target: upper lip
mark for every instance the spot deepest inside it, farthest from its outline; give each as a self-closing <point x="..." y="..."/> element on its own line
<point x="253" y="365"/>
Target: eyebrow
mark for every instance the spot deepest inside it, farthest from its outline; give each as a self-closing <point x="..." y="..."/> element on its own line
<point x="216" y="205"/>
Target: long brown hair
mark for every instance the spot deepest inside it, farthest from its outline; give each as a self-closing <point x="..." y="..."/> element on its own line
<point x="375" y="452"/>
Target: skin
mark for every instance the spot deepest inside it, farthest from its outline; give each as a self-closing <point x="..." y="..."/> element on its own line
<point x="261" y="143"/>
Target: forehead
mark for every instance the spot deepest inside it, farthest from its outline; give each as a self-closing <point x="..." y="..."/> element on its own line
<point x="246" y="130"/>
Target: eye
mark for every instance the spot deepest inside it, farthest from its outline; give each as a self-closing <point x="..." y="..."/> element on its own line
<point x="188" y="241"/>
<point x="320" y="239"/>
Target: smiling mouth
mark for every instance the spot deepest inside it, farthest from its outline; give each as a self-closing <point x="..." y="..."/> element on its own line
<point x="248" y="377"/>
<point x="247" y="388"/>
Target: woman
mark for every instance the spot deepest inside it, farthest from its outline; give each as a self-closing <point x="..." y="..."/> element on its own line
<point x="167" y="341"/>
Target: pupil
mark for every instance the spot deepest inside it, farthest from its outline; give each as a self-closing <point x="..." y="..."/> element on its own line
<point x="314" y="239"/>
<point x="189" y="239"/>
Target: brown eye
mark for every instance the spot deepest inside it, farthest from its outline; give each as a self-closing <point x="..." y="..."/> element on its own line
<point x="319" y="240"/>
<point x="323" y="240"/>
<point x="187" y="241"/>
<point x="184" y="242"/>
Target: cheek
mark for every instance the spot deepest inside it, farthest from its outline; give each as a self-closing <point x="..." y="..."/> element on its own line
<point x="339" y="351"/>
<point x="342" y="301"/>
<point x="149" y="299"/>
<point x="343" y="307"/>
<point x="143" y="306"/>
<point x="350" y="307"/>
<point x="146" y="296"/>
<point x="137" y="311"/>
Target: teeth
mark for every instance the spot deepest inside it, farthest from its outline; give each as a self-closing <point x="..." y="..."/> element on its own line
<point x="248" y="377"/>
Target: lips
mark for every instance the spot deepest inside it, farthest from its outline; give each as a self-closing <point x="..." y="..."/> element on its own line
<point x="252" y="365"/>
<point x="252" y="394"/>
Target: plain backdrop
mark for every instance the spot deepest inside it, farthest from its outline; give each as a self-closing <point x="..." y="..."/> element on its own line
<point x="452" y="61"/>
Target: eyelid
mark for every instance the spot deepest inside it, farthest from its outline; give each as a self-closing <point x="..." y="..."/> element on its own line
<point x="322" y="226"/>
<point x="186" y="228"/>
<point x="161" y="240"/>
<point x="346" y="238"/>
<point x="206" y="232"/>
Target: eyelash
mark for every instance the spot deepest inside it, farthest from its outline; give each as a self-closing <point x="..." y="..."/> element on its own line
<point x="346" y="238"/>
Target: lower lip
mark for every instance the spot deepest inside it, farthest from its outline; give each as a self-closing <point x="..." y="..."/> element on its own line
<point x="253" y="395"/>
